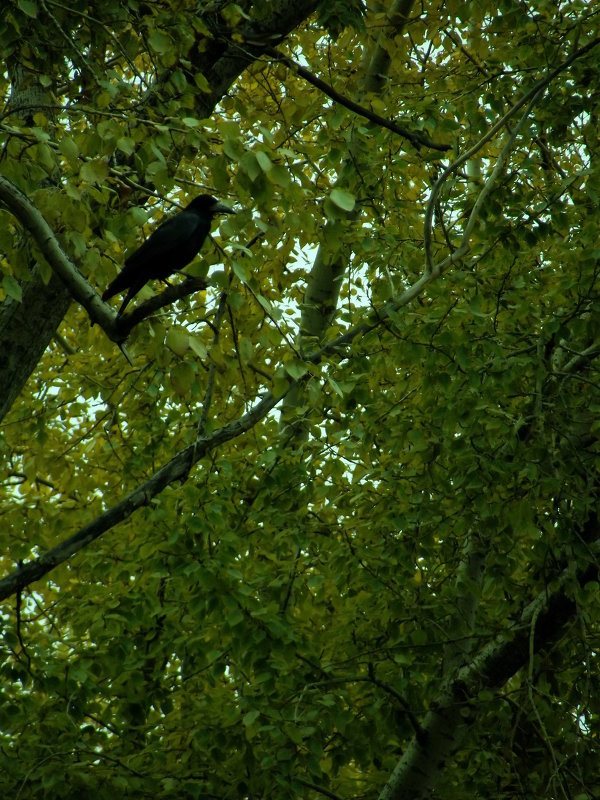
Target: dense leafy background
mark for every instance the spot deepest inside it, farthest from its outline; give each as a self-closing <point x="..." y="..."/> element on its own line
<point x="278" y="625"/>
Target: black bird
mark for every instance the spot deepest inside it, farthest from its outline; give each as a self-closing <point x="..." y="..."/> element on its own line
<point x="168" y="249"/>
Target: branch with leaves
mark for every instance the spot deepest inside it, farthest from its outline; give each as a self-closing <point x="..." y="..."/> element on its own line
<point x="416" y="139"/>
<point x="36" y="226"/>
<point x="177" y="469"/>
<point x="529" y="99"/>
<point x="453" y="712"/>
<point x="116" y="328"/>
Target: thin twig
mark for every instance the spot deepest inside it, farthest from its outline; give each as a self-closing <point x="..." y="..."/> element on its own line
<point x="208" y="394"/>
<point x="70" y="43"/>
<point x="499" y="165"/>
<point x="417" y="139"/>
<point x="416" y="725"/>
<point x="538" y="87"/>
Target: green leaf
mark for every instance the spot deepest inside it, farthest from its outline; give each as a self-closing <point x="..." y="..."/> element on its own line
<point x="273" y="312"/>
<point x="46" y="157"/>
<point x="246" y="350"/>
<point x="178" y="340"/>
<point x="183" y="377"/>
<point x="202" y="83"/>
<point x="68" y="147"/>
<point x="279" y="175"/>
<point x="234" y="148"/>
<point x="197" y="346"/>
<point x="250" y="166"/>
<point x="240" y="271"/>
<point x="343" y="199"/>
<point x="264" y="161"/>
<point x="335" y="386"/>
<point x="12" y="288"/>
<point x="251" y="717"/>
<point x="94" y="171"/>
<point x="159" y="41"/>
<point x="28" y="7"/>
<point x="126" y="145"/>
<point x="296" y="369"/>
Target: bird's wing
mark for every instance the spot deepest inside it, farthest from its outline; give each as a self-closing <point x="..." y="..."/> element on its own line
<point x="157" y="249"/>
<point x="170" y="248"/>
<point x="165" y="239"/>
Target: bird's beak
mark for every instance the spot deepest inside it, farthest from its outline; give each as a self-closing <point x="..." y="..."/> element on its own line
<point x="220" y="208"/>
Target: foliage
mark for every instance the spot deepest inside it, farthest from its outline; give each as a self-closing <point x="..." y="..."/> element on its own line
<point x="288" y="620"/>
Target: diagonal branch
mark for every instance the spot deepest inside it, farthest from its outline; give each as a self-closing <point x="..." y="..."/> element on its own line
<point x="116" y="328"/>
<point x="416" y="139"/>
<point x="124" y="325"/>
<point x="177" y="469"/>
<point x="454" y="711"/>
<point x="378" y="316"/>
<point x="528" y="97"/>
<point x="498" y="167"/>
<point x="34" y="223"/>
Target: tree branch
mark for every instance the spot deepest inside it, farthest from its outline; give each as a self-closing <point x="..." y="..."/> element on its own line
<point x="116" y="328"/>
<point x="454" y="712"/>
<point x="124" y="325"/>
<point x="22" y="341"/>
<point x="36" y="226"/>
<point x="177" y="469"/>
<point x="416" y="139"/>
<point x="527" y="98"/>
<point x="377" y="317"/>
<point x="498" y="166"/>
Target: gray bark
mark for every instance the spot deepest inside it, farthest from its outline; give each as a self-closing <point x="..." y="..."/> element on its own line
<point x="26" y="329"/>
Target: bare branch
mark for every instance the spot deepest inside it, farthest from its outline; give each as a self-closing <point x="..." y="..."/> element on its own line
<point x="124" y="325"/>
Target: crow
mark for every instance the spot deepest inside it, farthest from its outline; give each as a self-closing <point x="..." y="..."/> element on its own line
<point x="168" y="249"/>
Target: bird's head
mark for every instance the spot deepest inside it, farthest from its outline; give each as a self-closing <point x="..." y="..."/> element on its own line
<point x="207" y="204"/>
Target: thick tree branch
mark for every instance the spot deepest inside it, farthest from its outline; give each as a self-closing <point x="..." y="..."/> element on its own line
<point x="281" y="17"/>
<point x="461" y="624"/>
<point x="36" y="226"/>
<point x="26" y="327"/>
<point x="453" y="714"/>
<point x="177" y="469"/>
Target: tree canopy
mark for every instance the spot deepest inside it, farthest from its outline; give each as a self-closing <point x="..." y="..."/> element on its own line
<point x="319" y="519"/>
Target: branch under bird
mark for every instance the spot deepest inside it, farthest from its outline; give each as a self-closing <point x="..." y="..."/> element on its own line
<point x="168" y="249"/>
